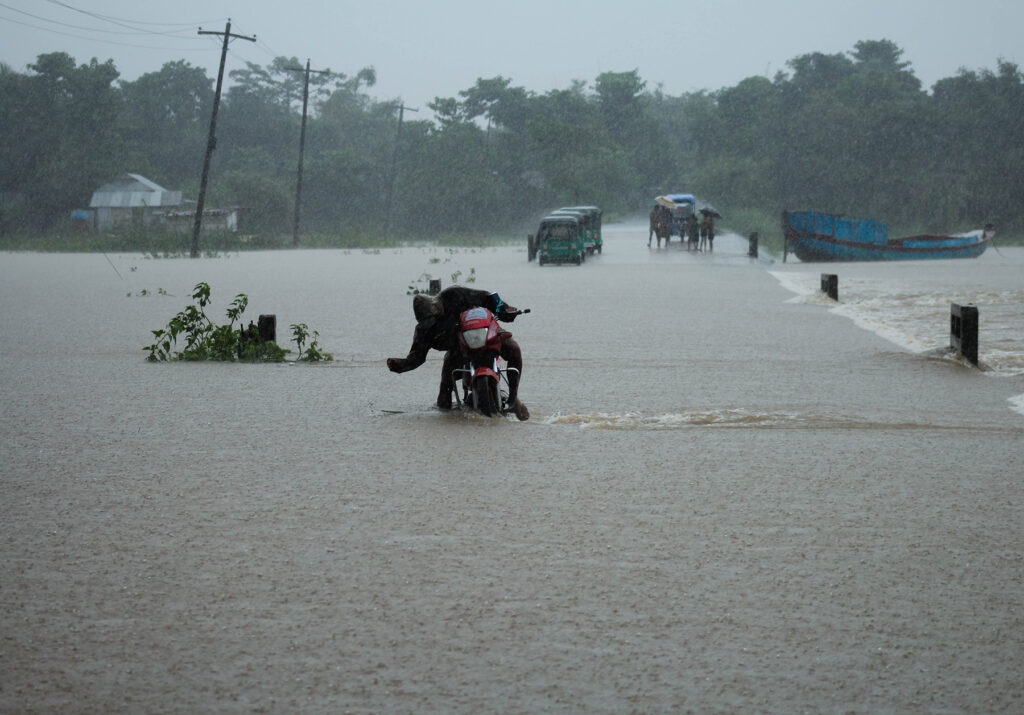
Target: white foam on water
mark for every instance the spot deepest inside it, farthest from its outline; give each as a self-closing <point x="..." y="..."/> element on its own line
<point x="801" y="284"/>
<point x="1017" y="403"/>
<point x="736" y="418"/>
<point x="671" y="420"/>
<point x="916" y="317"/>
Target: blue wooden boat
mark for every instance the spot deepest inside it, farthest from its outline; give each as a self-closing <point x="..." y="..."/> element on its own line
<point x="820" y="236"/>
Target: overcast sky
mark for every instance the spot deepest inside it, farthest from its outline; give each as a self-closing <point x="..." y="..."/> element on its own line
<point x="422" y="50"/>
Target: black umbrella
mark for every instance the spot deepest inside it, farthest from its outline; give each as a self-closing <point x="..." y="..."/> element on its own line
<point x="710" y="212"/>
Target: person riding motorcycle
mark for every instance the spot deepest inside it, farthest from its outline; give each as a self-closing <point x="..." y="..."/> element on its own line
<point x="437" y="327"/>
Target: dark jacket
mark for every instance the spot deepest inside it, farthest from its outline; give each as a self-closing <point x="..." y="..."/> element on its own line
<point x="441" y="332"/>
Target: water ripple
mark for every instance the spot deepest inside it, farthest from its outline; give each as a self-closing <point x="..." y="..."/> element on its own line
<point x="742" y="418"/>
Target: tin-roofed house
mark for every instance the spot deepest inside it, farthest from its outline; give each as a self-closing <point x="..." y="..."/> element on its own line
<point x="131" y="199"/>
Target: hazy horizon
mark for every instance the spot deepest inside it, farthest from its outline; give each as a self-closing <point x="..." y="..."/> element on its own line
<point x="425" y="51"/>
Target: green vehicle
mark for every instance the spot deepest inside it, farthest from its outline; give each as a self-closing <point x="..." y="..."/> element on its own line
<point x="588" y="222"/>
<point x="593" y="242"/>
<point x="560" y="240"/>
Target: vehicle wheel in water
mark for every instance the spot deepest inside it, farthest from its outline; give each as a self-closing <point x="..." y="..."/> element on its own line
<point x="485" y="398"/>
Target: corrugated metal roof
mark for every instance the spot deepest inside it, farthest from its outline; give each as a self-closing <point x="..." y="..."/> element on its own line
<point x="133" y="190"/>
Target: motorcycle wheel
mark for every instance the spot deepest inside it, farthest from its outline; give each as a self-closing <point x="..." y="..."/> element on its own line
<point x="485" y="397"/>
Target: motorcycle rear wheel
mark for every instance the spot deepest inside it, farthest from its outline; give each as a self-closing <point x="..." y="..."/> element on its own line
<point x="485" y="396"/>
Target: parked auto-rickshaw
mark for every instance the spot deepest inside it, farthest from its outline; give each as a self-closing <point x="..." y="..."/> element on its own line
<point x="584" y="218"/>
<point x="593" y="241"/>
<point x="559" y="239"/>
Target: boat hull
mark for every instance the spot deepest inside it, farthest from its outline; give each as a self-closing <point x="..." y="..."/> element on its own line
<point x="817" y="236"/>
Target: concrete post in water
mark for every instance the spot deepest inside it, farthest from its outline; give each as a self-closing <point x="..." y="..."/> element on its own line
<point x="830" y="285"/>
<point x="435" y="286"/>
<point x="268" y="328"/>
<point x="752" y="249"/>
<point x="531" y="248"/>
<point x="963" y="331"/>
<point x="785" y="235"/>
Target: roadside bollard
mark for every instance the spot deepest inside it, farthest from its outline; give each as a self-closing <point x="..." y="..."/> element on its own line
<point x="752" y="249"/>
<point x="963" y="331"/>
<point x="830" y="285"/>
<point x="435" y="286"/>
<point x="267" y="327"/>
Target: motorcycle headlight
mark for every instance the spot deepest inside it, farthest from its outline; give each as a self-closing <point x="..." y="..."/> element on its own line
<point x="475" y="338"/>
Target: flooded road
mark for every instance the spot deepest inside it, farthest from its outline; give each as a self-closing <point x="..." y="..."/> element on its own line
<point x="733" y="494"/>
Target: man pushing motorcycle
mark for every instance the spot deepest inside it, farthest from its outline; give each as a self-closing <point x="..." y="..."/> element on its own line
<point x="437" y="327"/>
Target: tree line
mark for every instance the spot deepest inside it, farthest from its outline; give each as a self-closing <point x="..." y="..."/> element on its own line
<point x="850" y="132"/>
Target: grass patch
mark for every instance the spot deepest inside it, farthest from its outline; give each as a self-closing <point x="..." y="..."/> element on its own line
<point x="745" y="221"/>
<point x="157" y="243"/>
<point x="162" y="244"/>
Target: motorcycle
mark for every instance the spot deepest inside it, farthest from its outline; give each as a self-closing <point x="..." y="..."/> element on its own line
<point x="483" y="376"/>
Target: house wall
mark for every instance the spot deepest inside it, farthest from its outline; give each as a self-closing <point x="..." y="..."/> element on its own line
<point x="214" y="220"/>
<point x="109" y="217"/>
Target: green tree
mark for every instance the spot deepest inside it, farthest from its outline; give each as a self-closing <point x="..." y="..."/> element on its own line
<point x="61" y="134"/>
<point x="563" y="130"/>
<point x="507" y="110"/>
<point x="978" y="152"/>
<point x="448" y="183"/>
<point x="350" y="146"/>
<point x="167" y="115"/>
<point x="265" y="203"/>
<point x="620" y="102"/>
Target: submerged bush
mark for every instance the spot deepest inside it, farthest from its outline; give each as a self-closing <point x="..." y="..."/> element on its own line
<point x="205" y="340"/>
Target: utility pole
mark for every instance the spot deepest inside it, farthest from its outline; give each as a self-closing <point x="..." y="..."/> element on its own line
<point x="302" y="146"/>
<point x="211" y="140"/>
<point x="394" y="164"/>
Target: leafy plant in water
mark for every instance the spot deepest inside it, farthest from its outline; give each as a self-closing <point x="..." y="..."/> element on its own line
<point x="146" y="291"/>
<point x="424" y="278"/>
<point x="300" y="333"/>
<point x="205" y="340"/>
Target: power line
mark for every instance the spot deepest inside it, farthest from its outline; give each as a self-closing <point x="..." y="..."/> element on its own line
<point x="86" y="29"/>
<point x="122" y="22"/>
<point x="130" y="26"/>
<point x="240" y="56"/>
<point x="97" y="39"/>
<point x="235" y="54"/>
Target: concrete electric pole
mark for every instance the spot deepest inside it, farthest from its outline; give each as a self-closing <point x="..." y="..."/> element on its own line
<point x="211" y="140"/>
<point x="302" y="146"/>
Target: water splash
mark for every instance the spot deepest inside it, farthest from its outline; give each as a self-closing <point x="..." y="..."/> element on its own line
<point x="916" y="317"/>
<point x="739" y="418"/>
<point x="672" y="420"/>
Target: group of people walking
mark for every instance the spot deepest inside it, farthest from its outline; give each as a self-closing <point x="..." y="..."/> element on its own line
<point x="699" y="235"/>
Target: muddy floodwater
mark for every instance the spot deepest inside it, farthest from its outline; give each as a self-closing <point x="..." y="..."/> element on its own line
<point x="733" y="494"/>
